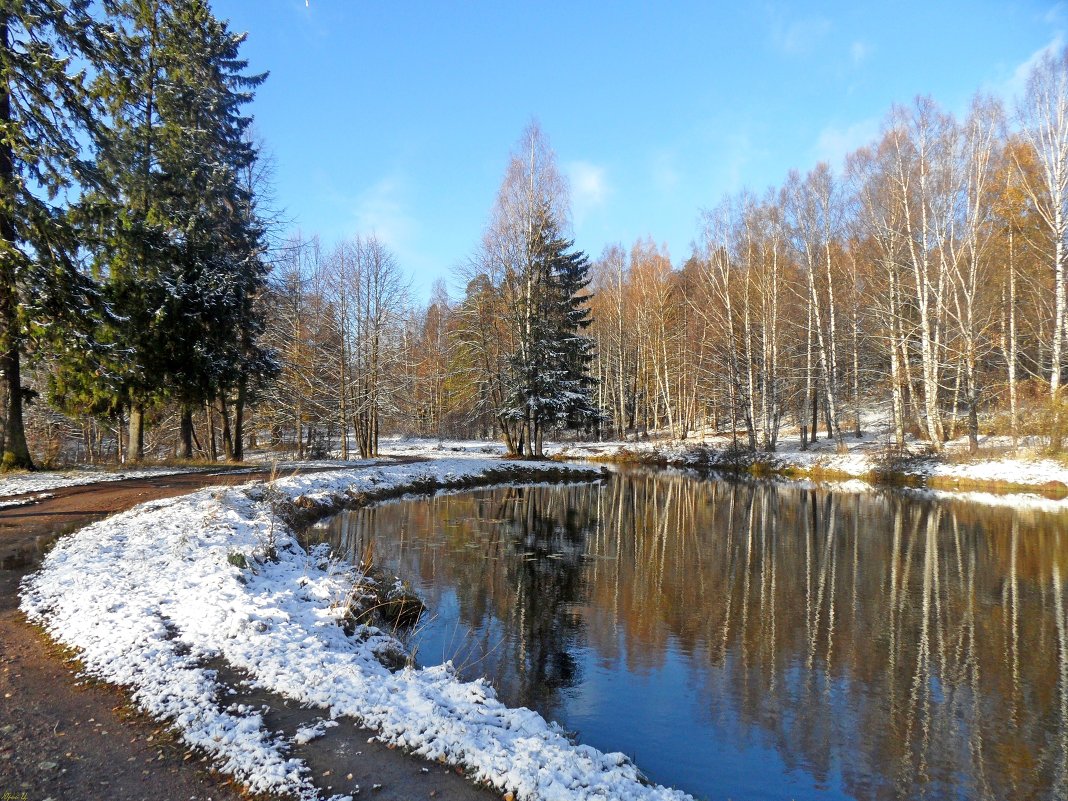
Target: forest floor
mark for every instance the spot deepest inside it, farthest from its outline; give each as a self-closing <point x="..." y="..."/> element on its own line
<point x="65" y="737"/>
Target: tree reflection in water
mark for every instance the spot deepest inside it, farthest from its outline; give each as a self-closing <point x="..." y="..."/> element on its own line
<point x="870" y="646"/>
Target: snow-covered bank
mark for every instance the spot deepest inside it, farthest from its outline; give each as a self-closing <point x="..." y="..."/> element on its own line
<point x="26" y="500"/>
<point x="864" y="460"/>
<point x="147" y="596"/>
<point x="1024" y="480"/>
<point x="420" y="446"/>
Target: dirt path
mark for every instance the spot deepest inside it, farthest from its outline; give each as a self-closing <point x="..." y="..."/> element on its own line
<point x="64" y="738"/>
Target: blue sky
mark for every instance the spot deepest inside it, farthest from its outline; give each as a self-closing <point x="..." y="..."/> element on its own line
<point x="398" y="118"/>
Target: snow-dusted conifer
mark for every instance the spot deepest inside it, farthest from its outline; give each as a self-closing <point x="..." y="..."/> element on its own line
<point x="550" y="377"/>
<point x="45" y="114"/>
<point x="524" y="311"/>
<point x="129" y="226"/>
<point x="571" y="278"/>
<point x="209" y="316"/>
<point x="180" y="244"/>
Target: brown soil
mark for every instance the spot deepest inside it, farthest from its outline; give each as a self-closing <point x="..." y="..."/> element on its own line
<point x="63" y="737"/>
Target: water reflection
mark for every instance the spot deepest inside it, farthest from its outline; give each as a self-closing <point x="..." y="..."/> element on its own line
<point x="753" y="640"/>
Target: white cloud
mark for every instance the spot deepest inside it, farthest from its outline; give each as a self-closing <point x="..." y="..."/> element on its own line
<point x="381" y="210"/>
<point x="384" y="209"/>
<point x="834" y="143"/>
<point x="859" y="52"/>
<point x="589" y="187"/>
<point x="737" y="152"/>
<point x="799" y="37"/>
<point x="1014" y="85"/>
<point x="665" y="171"/>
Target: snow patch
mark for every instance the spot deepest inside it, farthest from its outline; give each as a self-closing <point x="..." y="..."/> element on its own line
<point x="312" y="731"/>
<point x="22" y="483"/>
<point x="864" y="457"/>
<point x="29" y="501"/>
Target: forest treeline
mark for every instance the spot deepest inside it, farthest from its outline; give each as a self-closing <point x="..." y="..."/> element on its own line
<point x="152" y="303"/>
<point x="924" y="279"/>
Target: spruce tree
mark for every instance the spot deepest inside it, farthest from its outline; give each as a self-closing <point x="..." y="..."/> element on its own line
<point x="131" y="232"/>
<point x="551" y="382"/>
<point x="179" y="241"/>
<point x="221" y="269"/>
<point x="571" y="278"/>
<point x="45" y="115"/>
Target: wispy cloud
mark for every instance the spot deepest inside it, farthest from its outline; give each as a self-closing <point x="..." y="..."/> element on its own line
<point x="665" y="171"/>
<point x="739" y="151"/>
<point x="799" y="37"/>
<point x="859" y="52"/>
<point x="589" y="187"/>
<point x="381" y="209"/>
<point x="835" y="142"/>
<point x="1015" y="83"/>
<point x="384" y="209"/>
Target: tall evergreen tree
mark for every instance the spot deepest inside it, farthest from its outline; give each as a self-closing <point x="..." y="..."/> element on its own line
<point x="524" y="312"/>
<point x="551" y="379"/>
<point x="45" y="113"/>
<point x="571" y="278"/>
<point x="179" y="241"/>
<point x="132" y="242"/>
<point x="221" y="269"/>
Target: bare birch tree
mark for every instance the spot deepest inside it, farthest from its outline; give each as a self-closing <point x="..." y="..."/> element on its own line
<point x="1043" y="117"/>
<point x="970" y="266"/>
<point x="814" y="211"/>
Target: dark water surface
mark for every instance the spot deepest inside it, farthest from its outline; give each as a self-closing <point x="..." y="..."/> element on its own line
<point x="750" y="640"/>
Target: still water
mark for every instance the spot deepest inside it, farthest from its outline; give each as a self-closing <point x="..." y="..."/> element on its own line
<point x="753" y="640"/>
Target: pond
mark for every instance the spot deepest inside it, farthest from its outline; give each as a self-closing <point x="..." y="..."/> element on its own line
<point x="751" y="640"/>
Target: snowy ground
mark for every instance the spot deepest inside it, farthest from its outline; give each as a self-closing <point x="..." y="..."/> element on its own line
<point x="1024" y="468"/>
<point x="851" y="471"/>
<point x="27" y="500"/>
<point x="43" y="481"/>
<point x="21" y="483"/>
<point x="415" y="446"/>
<point x="1022" y="471"/>
<point x="148" y="595"/>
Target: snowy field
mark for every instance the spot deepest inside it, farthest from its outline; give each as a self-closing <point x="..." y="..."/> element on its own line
<point x="148" y="595"/>
<point x="437" y="448"/>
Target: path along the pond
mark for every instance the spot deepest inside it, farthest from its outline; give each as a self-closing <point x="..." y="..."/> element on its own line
<point x="62" y="737"/>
